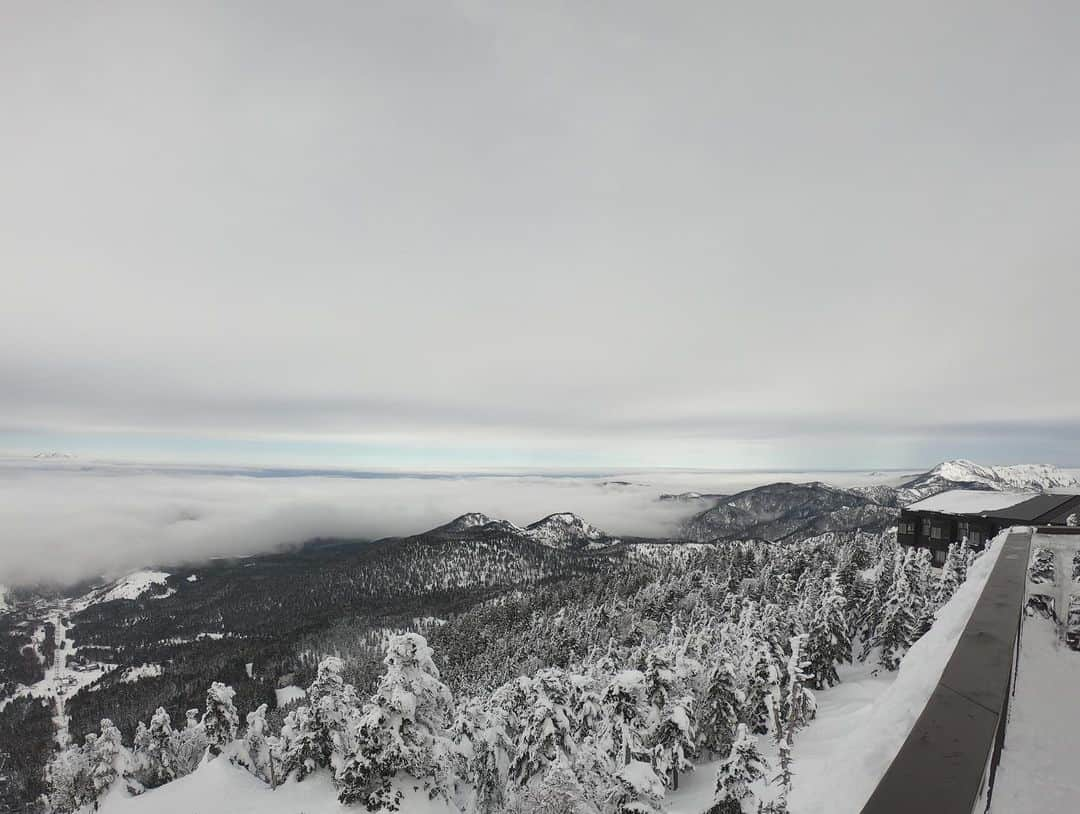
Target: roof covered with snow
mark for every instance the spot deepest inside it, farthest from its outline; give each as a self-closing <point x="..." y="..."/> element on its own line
<point x="969" y="501"/>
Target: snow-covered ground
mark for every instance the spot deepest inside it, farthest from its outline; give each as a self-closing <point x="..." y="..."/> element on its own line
<point x="218" y="787"/>
<point x="286" y="695"/>
<point x="1038" y="765"/>
<point x="843" y="709"/>
<point x="133" y="585"/>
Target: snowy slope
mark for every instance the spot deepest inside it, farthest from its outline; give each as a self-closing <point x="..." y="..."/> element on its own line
<point x="218" y="787"/>
<point x="132" y="586"/>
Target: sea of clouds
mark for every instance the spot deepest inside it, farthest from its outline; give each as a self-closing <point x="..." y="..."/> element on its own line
<point x="71" y="520"/>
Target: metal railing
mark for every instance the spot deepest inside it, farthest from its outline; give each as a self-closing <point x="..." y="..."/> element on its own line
<point x="947" y="763"/>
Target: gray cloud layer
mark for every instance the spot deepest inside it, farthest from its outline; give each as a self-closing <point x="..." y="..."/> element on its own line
<point x="604" y="223"/>
<point x="71" y="520"/>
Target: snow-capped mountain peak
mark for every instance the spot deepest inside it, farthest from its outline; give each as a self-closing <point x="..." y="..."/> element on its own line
<point x="1018" y="476"/>
<point x="970" y="475"/>
<point x="469" y="520"/>
<point x="565" y="530"/>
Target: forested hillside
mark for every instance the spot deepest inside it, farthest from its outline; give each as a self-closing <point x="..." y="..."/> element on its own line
<point x="595" y="693"/>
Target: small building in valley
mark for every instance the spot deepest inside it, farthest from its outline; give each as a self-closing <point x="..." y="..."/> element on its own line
<point x="951" y="516"/>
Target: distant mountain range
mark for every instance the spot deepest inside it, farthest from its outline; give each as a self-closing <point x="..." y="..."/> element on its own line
<point x="780" y="511"/>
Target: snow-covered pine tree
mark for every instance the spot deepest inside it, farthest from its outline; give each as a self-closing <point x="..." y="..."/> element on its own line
<point x="402" y="729"/>
<point x="258" y="747"/>
<point x="736" y="772"/>
<point x="659" y="684"/>
<point x="874" y="607"/>
<point x="69" y="780"/>
<point x="220" y="721"/>
<point x="547" y="735"/>
<point x="108" y="759"/>
<point x="673" y="740"/>
<point x="763" y="679"/>
<point x="720" y="709"/>
<point x="299" y="750"/>
<point x="488" y="760"/>
<point x="828" y="642"/>
<point x="624" y="705"/>
<point x="799" y="704"/>
<point x="557" y="792"/>
<point x="154" y="762"/>
<point x="331" y="702"/>
<point x="189" y="744"/>
<point x="896" y="630"/>
<point x="636" y="790"/>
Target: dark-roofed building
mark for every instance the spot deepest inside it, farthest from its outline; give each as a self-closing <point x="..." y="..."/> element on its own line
<point x="952" y="516"/>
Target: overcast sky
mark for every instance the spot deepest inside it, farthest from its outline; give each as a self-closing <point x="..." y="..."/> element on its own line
<point x="553" y="234"/>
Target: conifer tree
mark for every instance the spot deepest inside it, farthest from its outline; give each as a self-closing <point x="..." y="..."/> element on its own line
<point x="402" y="729"/>
<point x="895" y="632"/>
<point x="220" y="720"/>
<point x="673" y="741"/>
<point x="624" y="704"/>
<point x="154" y="745"/>
<point x="736" y="772"/>
<point x="828" y="643"/>
<point x="720" y="709"/>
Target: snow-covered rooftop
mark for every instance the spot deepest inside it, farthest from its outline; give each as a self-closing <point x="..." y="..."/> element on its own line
<point x="970" y="501"/>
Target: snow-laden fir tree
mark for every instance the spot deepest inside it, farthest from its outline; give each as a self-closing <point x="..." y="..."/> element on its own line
<point x="673" y="740"/>
<point x="259" y="747"/>
<point x="108" y="759"/>
<point x="154" y="751"/>
<point x="298" y="751"/>
<point x="68" y="777"/>
<point x="402" y="728"/>
<point x="742" y="767"/>
<point x="799" y="704"/>
<point x="331" y="703"/>
<point x="874" y="607"/>
<point x="483" y="754"/>
<point x="828" y="642"/>
<point x="625" y="719"/>
<point x="547" y="733"/>
<point x="557" y="792"/>
<point x="896" y="630"/>
<point x="220" y="721"/>
<point x="636" y="790"/>
<point x="720" y="708"/>
<point x="189" y="744"/>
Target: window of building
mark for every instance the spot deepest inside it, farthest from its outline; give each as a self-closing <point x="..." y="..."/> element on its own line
<point x="926" y="527"/>
<point x="907" y="527"/>
<point x="975" y="537"/>
<point x="939" y="557"/>
<point x="936" y="533"/>
<point x="962" y="529"/>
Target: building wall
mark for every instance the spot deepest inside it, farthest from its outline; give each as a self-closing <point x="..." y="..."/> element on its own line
<point x="935" y="531"/>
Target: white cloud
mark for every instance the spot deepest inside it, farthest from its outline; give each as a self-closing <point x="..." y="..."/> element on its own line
<point x="67" y="521"/>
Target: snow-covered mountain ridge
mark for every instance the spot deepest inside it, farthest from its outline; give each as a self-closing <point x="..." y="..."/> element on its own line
<point x="961" y="473"/>
<point x="562" y="530"/>
<point x="785" y="511"/>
